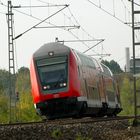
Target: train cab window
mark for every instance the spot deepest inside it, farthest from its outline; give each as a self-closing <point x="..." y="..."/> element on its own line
<point x="53" y="74"/>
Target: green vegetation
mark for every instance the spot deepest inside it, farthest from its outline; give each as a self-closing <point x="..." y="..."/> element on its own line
<point x="56" y="134"/>
<point x="127" y="96"/>
<point x="25" y="109"/>
<point x="3" y="109"/>
<point x="80" y="137"/>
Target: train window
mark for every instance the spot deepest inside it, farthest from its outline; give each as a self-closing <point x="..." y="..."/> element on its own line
<point x="78" y="70"/>
<point x="86" y="61"/>
<point x="106" y="70"/>
<point x="53" y="74"/>
<point x="50" y="61"/>
<point x="93" y="93"/>
<point x="110" y="88"/>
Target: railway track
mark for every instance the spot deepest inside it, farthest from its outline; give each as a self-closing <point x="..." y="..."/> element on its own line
<point x="71" y="121"/>
<point x="117" y="128"/>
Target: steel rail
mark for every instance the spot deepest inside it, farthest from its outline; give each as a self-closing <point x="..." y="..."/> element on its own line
<point x="70" y="121"/>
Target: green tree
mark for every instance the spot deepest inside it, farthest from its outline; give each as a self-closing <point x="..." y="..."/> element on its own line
<point x="25" y="106"/>
<point x="4" y="75"/>
<point x="23" y="80"/>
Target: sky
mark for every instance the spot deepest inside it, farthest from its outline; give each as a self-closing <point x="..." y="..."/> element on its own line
<point x="94" y="23"/>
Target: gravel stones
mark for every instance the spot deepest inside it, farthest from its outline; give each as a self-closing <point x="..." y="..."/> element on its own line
<point x="109" y="130"/>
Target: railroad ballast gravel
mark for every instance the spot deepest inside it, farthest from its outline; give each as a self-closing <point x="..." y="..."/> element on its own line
<point x="109" y="130"/>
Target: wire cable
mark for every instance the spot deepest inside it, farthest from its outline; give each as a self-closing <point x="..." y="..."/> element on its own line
<point x="41" y="22"/>
<point x="54" y="25"/>
<point x="78" y="25"/>
<point x="107" y="12"/>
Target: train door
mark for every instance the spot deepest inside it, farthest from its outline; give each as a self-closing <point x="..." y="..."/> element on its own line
<point x="102" y="89"/>
<point x="84" y="81"/>
<point x="109" y="88"/>
<point x="92" y="85"/>
<point x="110" y="92"/>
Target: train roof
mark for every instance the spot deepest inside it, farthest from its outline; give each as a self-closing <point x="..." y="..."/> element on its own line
<point x="55" y="47"/>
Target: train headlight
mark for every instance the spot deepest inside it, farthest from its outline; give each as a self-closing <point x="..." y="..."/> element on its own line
<point x="61" y="84"/>
<point x="51" y="53"/>
<point x="64" y="84"/>
<point x="46" y="87"/>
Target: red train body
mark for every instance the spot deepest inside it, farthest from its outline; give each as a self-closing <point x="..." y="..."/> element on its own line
<point x="68" y="83"/>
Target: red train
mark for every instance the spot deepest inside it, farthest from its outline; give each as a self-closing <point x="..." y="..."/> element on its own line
<point x="68" y="83"/>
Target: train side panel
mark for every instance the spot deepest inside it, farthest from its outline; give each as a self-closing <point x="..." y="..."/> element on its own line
<point x="74" y="81"/>
<point x="34" y="83"/>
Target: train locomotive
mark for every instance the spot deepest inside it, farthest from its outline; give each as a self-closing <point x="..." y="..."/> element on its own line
<point x="67" y="83"/>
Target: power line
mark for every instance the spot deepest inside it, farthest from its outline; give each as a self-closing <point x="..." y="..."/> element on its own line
<point x="89" y="48"/>
<point x="40" y="22"/>
<point x="106" y="12"/>
<point x="78" y="39"/>
<point x="93" y="46"/>
<point x="73" y="18"/>
<point x="70" y="27"/>
<point x="53" y="25"/>
<point x="134" y="3"/>
<point x="41" y="6"/>
<point x="112" y="14"/>
<point x="44" y="2"/>
<point x="82" y="42"/>
<point x="79" y="24"/>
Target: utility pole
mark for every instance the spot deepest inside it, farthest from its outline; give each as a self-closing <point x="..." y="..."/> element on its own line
<point x="135" y="44"/>
<point x="12" y="79"/>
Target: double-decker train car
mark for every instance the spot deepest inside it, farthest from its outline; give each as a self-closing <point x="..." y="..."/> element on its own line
<point x="66" y="82"/>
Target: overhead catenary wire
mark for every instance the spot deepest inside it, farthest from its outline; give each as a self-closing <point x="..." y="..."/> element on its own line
<point x="70" y="27"/>
<point x="34" y="17"/>
<point x="93" y="46"/>
<point x="73" y="18"/>
<point x="89" y="48"/>
<point x="130" y="23"/>
<point x="80" y="28"/>
<point x="79" y="24"/>
<point x="111" y="14"/>
<point x="44" y="2"/>
<point x="40" y="22"/>
<point x="41" y="6"/>
<point x="134" y="3"/>
<point x="106" y="12"/>
<point x="82" y="42"/>
<point x="52" y="25"/>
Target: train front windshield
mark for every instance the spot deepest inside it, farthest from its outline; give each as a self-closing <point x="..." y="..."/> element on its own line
<point x="53" y="74"/>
